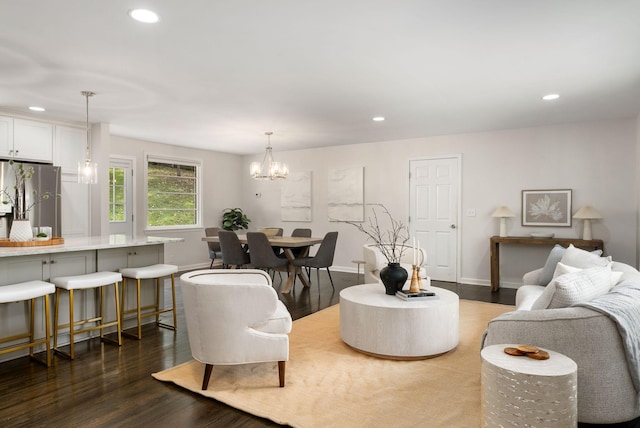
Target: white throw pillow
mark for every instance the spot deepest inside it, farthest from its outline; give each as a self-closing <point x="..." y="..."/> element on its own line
<point x="582" y="259"/>
<point x="555" y="255"/>
<point x="581" y="286"/>
<point x="545" y="298"/>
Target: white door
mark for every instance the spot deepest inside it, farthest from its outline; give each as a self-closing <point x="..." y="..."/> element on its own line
<point x="434" y="186"/>
<point x="121" y="215"/>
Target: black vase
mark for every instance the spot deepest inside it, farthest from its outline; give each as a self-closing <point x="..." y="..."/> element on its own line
<point x="393" y="277"/>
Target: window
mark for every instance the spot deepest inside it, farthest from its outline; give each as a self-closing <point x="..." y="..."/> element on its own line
<point x="117" y="196"/>
<point x="173" y="193"/>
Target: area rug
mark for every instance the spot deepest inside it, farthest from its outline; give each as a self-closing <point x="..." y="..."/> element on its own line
<point x="328" y="384"/>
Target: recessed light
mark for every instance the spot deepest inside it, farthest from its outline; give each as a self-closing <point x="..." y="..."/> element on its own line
<point x="144" y="15"/>
<point x="378" y="119"/>
<point x="36" y="108"/>
<point x="550" y="97"/>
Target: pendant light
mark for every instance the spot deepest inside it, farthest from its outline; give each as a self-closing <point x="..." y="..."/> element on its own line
<point x="87" y="170"/>
<point x="269" y="169"/>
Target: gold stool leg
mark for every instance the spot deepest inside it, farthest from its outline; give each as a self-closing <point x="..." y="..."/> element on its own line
<point x="55" y="320"/>
<point x="101" y="317"/>
<point x="118" y="317"/>
<point x="124" y="297"/>
<point x="173" y="297"/>
<point x="32" y="321"/>
<point x="47" y="328"/>
<point x="139" y="310"/>
<point x="72" y="353"/>
<point x="157" y="301"/>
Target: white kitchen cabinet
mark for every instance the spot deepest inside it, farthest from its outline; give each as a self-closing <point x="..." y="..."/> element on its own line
<point x="23" y="139"/>
<point x="6" y="135"/>
<point x="75" y="206"/>
<point x="69" y="148"/>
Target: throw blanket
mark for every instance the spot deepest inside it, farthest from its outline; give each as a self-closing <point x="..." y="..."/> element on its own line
<point x="622" y="305"/>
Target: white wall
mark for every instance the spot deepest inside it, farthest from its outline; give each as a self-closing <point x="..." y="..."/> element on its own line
<point x="596" y="159"/>
<point x="221" y="177"/>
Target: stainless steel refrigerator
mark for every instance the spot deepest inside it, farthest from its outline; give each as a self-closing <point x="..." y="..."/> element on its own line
<point x="45" y="180"/>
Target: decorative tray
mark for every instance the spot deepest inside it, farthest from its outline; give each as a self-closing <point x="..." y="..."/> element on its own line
<point x="4" y="242"/>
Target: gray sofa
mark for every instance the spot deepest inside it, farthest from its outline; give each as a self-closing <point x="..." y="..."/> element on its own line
<point x="606" y="393"/>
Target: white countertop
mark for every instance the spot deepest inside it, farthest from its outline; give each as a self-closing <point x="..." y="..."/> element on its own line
<point x="88" y="243"/>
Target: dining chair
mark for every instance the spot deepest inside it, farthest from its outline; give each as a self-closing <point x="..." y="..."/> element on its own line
<point x="214" y="247"/>
<point x="262" y="255"/>
<point x="233" y="254"/>
<point x="273" y="231"/>
<point x="322" y="259"/>
<point x="300" y="232"/>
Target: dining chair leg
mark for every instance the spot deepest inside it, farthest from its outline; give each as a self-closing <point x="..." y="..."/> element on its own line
<point x="330" y="279"/>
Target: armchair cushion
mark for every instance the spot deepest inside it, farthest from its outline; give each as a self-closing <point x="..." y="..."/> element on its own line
<point x="279" y="322"/>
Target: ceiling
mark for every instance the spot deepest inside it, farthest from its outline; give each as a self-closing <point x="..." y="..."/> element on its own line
<point x="217" y="74"/>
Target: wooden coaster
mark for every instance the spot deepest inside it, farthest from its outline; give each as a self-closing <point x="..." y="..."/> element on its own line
<point x="514" y="351"/>
<point x="527" y="349"/>
<point x="540" y="355"/>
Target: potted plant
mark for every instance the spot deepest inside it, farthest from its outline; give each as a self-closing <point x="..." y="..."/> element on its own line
<point x="234" y="219"/>
<point x="16" y="196"/>
<point x="391" y="243"/>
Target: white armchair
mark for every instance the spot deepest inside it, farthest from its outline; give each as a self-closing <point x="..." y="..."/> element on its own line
<point x="374" y="260"/>
<point x="235" y="317"/>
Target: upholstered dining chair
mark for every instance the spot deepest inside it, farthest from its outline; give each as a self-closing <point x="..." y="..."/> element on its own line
<point x="322" y="259"/>
<point x="214" y="247"/>
<point x="262" y="255"/>
<point x="234" y="317"/>
<point x="273" y="231"/>
<point x="233" y="254"/>
<point x="300" y="232"/>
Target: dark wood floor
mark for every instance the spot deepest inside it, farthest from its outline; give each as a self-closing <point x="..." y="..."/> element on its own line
<point x="110" y="386"/>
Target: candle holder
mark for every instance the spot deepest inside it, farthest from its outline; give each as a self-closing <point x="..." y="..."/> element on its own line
<point x="415" y="280"/>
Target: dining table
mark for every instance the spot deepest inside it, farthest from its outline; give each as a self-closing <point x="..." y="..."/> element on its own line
<point x="287" y="243"/>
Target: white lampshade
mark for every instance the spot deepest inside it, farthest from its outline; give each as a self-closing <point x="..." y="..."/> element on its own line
<point x="587" y="214"/>
<point x="503" y="212"/>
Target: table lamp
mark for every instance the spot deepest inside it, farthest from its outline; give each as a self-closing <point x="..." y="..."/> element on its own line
<point x="587" y="214"/>
<point x="503" y="212"/>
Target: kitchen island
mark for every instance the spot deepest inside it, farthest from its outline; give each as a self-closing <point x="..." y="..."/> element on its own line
<point x="75" y="256"/>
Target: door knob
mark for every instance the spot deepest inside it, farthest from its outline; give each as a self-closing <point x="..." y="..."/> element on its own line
<point x="453" y="226"/>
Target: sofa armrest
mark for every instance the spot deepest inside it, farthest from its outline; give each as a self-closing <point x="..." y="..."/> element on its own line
<point x="605" y="390"/>
<point x="532" y="278"/>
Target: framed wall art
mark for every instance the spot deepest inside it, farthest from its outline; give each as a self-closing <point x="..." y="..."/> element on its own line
<point x="546" y="208"/>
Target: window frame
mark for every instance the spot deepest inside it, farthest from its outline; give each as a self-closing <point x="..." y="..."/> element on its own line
<point x="181" y="161"/>
<point x="111" y="205"/>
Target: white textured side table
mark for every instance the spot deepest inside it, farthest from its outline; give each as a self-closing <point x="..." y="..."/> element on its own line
<point x="523" y="392"/>
<point x="386" y="326"/>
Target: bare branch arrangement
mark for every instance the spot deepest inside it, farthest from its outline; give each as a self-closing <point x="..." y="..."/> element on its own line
<point x="391" y="241"/>
<point x="16" y="196"/>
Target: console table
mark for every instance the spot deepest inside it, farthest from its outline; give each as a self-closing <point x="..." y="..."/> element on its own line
<point x="593" y="244"/>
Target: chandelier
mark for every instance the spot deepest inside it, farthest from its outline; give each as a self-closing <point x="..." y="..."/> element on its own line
<point x="87" y="170"/>
<point x="268" y="169"/>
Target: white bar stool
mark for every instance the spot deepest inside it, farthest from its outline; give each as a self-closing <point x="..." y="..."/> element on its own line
<point x="156" y="272"/>
<point x="23" y="291"/>
<point x="83" y="282"/>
